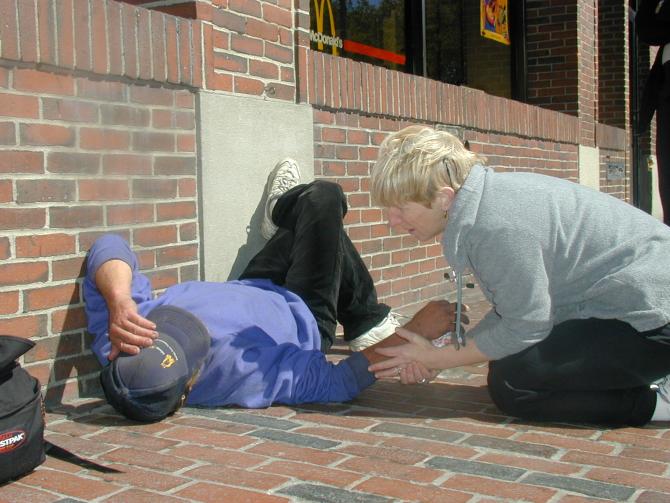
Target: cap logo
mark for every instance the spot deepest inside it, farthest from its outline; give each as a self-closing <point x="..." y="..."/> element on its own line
<point x="168" y="361"/>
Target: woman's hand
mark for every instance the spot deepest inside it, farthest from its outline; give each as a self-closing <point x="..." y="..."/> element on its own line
<point x="416" y="359"/>
<point x="128" y="330"/>
<point x="402" y="360"/>
<point x="415" y="373"/>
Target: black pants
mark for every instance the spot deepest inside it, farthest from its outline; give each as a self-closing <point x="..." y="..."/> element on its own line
<point x="312" y="256"/>
<point x="587" y="371"/>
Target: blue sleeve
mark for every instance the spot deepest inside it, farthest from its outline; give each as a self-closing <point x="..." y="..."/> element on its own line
<point x="284" y="374"/>
<point x="316" y="380"/>
<point x="105" y="248"/>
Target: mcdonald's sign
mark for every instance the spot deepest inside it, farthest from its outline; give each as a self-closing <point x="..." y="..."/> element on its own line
<point x="318" y="36"/>
<point x="325" y="36"/>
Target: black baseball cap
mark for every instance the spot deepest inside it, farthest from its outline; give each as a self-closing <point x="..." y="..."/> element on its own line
<point x="154" y="383"/>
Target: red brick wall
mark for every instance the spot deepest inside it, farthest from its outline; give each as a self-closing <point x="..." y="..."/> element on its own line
<point x="551" y="32"/>
<point x="613" y="68"/>
<point x="249" y="48"/>
<point x="562" y="60"/>
<point x="106" y="38"/>
<point x="87" y="148"/>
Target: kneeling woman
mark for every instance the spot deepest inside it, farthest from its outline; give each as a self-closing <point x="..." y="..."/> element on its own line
<point x="579" y="282"/>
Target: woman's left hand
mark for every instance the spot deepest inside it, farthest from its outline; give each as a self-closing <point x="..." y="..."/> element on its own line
<point x="414" y="373"/>
<point x="416" y="359"/>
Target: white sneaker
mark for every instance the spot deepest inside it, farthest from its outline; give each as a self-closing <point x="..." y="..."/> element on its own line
<point x="379" y="332"/>
<point x="662" y="409"/>
<point x="283" y="177"/>
<point x="662" y="387"/>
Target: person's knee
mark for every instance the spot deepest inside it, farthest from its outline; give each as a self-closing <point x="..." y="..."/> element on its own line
<point x="508" y="397"/>
<point x="328" y="195"/>
<point x="498" y="391"/>
<point x="328" y="189"/>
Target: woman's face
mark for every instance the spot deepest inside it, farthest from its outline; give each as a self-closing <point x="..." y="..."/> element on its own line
<point x="424" y="223"/>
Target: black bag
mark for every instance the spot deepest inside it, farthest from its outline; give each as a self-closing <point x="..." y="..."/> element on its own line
<point x="22" y="444"/>
<point x="21" y="412"/>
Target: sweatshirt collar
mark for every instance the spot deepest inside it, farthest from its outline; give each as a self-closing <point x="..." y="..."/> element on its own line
<point x="462" y="216"/>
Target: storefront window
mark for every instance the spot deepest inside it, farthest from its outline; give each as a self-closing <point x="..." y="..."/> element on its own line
<point x="440" y="39"/>
<point x="366" y="30"/>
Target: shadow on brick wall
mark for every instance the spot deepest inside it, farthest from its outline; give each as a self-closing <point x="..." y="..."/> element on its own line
<point x="74" y="375"/>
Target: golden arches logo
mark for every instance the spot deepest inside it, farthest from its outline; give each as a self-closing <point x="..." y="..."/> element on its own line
<point x="320" y="37"/>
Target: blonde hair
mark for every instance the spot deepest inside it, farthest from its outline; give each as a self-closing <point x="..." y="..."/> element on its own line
<point x="415" y="162"/>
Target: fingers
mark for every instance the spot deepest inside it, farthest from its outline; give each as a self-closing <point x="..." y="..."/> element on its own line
<point x="139" y="326"/>
<point x="119" y="335"/>
<point x="147" y="327"/>
<point x="406" y="372"/>
<point x="130" y="338"/>
<point x="411" y="373"/>
<point x="415" y="373"/>
<point x="465" y="319"/>
<point x="390" y="373"/>
<point x="386" y="365"/>
<point x="122" y="347"/>
<point x="126" y="342"/>
<point x="113" y="353"/>
<point x="129" y="332"/>
<point x="133" y="330"/>
<point x="396" y="372"/>
<point x="451" y="306"/>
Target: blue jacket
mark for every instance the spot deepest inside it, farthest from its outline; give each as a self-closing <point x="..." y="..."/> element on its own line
<point x="265" y="342"/>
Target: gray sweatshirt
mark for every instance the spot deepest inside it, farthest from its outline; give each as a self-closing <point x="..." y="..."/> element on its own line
<point x="546" y="250"/>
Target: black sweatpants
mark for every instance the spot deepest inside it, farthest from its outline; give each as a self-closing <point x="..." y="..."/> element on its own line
<point x="312" y="256"/>
<point x="586" y="371"/>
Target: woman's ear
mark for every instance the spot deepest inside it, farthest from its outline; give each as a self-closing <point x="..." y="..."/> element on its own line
<point x="445" y="197"/>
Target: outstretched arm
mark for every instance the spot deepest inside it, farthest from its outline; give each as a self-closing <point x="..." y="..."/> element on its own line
<point x="308" y="377"/>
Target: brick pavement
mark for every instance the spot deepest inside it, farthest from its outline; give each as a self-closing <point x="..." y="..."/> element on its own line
<point x="439" y="442"/>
